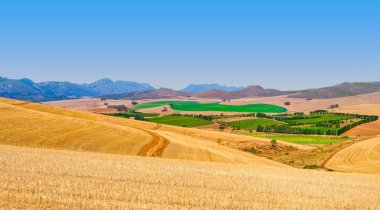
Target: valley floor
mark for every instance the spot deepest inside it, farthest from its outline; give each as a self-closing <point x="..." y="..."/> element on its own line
<point x="54" y="179"/>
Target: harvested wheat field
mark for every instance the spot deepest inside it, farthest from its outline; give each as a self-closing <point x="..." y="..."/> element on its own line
<point x="367" y="129"/>
<point x="44" y="126"/>
<point x="362" y="157"/>
<point x="51" y="179"/>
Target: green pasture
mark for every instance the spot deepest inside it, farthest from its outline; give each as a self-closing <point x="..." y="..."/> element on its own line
<point x="184" y="121"/>
<point x="197" y="106"/>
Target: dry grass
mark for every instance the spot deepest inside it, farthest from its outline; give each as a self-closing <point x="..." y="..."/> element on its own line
<point x="51" y="179"/>
<point x="362" y="157"/>
<point x="26" y="127"/>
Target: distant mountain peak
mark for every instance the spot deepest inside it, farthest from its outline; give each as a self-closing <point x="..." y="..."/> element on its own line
<point x="105" y="80"/>
<point x="198" y="88"/>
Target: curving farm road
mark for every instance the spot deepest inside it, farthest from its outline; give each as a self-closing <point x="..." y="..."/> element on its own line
<point x="362" y="157"/>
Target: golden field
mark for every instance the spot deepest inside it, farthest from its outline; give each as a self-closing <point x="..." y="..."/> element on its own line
<point x="55" y="179"/>
<point x="362" y="157"/>
<point x="56" y="158"/>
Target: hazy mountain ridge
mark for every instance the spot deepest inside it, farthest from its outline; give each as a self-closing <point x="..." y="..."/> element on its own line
<point x="26" y="89"/>
<point x="149" y="94"/>
<point x="198" y="88"/>
<point x="341" y="90"/>
<point x="107" y="86"/>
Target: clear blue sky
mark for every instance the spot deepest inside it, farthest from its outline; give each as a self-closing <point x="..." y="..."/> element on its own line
<point x="278" y="44"/>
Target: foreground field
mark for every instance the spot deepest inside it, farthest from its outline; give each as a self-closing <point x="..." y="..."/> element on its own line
<point x="362" y="157"/>
<point x="196" y="106"/>
<point x="51" y="179"/>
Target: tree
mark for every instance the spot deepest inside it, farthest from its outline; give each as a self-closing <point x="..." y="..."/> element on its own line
<point x="139" y="117"/>
<point x="274" y="143"/>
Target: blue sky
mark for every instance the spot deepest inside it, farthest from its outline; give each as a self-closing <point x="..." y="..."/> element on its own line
<point x="278" y="44"/>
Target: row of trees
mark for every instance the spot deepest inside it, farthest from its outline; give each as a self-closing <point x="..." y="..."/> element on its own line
<point x="297" y="130"/>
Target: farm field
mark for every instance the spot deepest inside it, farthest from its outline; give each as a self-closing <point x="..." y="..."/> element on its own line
<point x="43" y="126"/>
<point x="253" y="123"/>
<point x="316" y="118"/>
<point x="42" y="178"/>
<point x="362" y="157"/>
<point x="301" y="139"/>
<point x="197" y="106"/>
<point x="318" y="122"/>
<point x="183" y="121"/>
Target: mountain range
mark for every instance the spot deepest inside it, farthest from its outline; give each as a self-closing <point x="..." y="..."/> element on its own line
<point x="26" y="89"/>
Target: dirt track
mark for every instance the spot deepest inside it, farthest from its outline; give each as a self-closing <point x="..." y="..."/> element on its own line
<point x="362" y="157"/>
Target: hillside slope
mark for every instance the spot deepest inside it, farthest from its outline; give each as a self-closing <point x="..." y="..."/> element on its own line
<point x="250" y="91"/>
<point x="361" y="157"/>
<point x="39" y="125"/>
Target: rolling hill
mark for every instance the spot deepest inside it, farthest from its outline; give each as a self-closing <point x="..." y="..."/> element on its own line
<point x="39" y="125"/>
<point x="362" y="157"/>
<point x="249" y="91"/>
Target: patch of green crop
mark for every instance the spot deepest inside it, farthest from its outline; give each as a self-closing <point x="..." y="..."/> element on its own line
<point x="183" y="121"/>
<point x="315" y="118"/>
<point x="252" y="124"/>
<point x="300" y="139"/>
<point x="196" y="106"/>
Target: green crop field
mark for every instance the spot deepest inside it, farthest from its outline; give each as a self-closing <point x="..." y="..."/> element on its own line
<point x="315" y="118"/>
<point x="300" y="139"/>
<point x="253" y="123"/>
<point x="196" y="106"/>
<point x="184" y="121"/>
